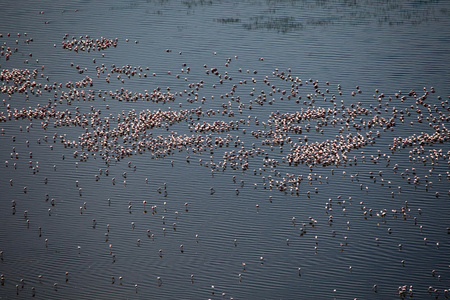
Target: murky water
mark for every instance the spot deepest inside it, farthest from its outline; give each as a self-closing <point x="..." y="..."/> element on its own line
<point x="260" y="135"/>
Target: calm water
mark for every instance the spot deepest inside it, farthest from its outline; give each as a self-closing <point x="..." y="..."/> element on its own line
<point x="233" y="215"/>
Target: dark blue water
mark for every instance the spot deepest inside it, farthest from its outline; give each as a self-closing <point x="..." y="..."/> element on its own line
<point x="225" y="215"/>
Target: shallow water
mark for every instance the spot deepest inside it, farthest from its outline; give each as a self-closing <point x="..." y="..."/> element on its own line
<point x="384" y="45"/>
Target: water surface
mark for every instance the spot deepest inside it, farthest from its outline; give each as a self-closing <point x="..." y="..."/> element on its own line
<point x="367" y="48"/>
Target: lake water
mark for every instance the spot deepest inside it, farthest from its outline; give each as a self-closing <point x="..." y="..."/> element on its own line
<point x="235" y="90"/>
